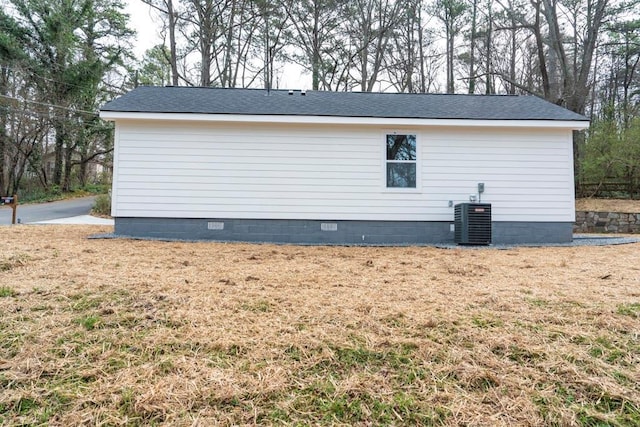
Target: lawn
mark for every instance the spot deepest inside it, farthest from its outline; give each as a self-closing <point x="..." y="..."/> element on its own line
<point x="120" y="332"/>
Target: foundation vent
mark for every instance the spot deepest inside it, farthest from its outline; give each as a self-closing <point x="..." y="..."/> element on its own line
<point x="329" y="226"/>
<point x="215" y="226"/>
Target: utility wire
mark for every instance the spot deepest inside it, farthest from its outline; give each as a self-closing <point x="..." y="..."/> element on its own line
<point x="44" y="104"/>
<point x="32" y="73"/>
<point x="36" y="115"/>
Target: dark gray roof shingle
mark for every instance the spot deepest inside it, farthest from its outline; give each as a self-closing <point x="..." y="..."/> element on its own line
<point x="337" y="104"/>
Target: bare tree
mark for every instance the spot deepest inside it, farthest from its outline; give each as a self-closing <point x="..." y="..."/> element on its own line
<point x="167" y="9"/>
<point x="314" y="32"/>
<point x="452" y="14"/>
<point x="371" y="26"/>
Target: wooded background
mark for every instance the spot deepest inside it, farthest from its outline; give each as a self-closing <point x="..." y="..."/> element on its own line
<point x="61" y="59"/>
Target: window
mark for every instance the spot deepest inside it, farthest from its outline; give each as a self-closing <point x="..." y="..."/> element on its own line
<point x="401" y="161"/>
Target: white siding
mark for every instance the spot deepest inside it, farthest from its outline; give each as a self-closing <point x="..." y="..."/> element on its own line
<point x="260" y="171"/>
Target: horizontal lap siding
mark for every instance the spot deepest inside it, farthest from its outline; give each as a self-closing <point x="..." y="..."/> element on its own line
<point x="528" y="173"/>
<point x="178" y="170"/>
<point x="254" y="172"/>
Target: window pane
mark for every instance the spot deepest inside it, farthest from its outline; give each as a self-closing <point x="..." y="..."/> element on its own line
<point x="401" y="175"/>
<point x="401" y="147"/>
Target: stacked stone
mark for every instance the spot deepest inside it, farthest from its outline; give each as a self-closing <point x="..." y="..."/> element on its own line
<point x="607" y="222"/>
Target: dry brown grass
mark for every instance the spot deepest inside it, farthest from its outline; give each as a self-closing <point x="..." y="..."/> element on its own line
<point x="608" y="205"/>
<point x="119" y="332"/>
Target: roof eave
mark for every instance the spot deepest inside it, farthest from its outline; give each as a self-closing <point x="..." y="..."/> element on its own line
<point x="334" y="120"/>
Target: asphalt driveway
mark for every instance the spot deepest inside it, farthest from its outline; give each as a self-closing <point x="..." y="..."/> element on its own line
<point x="48" y="211"/>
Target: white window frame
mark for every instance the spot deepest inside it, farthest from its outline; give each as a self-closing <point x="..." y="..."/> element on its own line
<point x="417" y="161"/>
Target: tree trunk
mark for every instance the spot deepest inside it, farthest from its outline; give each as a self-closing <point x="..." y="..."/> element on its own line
<point x="490" y="89"/>
<point x="315" y="60"/>
<point x="512" y="58"/>
<point x="411" y="53"/>
<point x="423" y="78"/>
<point x="472" y="50"/>
<point x="3" y="144"/>
<point x="450" y="44"/>
<point x="68" y="166"/>
<point x="206" y="34"/>
<point x="172" y="42"/>
<point x="4" y="83"/>
<point x="227" y="72"/>
<point x="82" y="173"/>
<point x="542" y="61"/>
<point x="60" y="138"/>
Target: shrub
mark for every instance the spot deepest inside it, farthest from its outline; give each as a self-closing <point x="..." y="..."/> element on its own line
<point x="102" y="205"/>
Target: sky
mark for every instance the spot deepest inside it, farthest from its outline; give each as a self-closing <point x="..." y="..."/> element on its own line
<point x="142" y="20"/>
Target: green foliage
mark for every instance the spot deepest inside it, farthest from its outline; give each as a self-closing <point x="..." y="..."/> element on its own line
<point x="59" y="53"/>
<point x="36" y="194"/>
<point x="102" y="205"/>
<point x="155" y="69"/>
<point x="96" y="188"/>
<point x="6" y="291"/>
<point x="612" y="153"/>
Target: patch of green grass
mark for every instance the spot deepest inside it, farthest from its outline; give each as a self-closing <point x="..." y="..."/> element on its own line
<point x="356" y="407"/>
<point x="115" y="364"/>
<point x="609" y="411"/>
<point x="25" y="405"/>
<point x="294" y="352"/>
<point x="395" y="321"/>
<point x="356" y="357"/>
<point x="632" y="310"/>
<point x="538" y="302"/>
<point x="257" y="306"/>
<point x="10" y="340"/>
<point x="579" y="339"/>
<point x="126" y="404"/>
<point x="88" y="322"/>
<point x="277" y="415"/>
<point x="6" y="291"/>
<point x="166" y="367"/>
<point x="591" y="405"/>
<point x="518" y="354"/>
<point x="621" y="378"/>
<point x="5" y="383"/>
<point x="341" y="407"/>
<point x="399" y="367"/>
<point x="596" y="352"/>
<point x="486" y="322"/>
<point x="607" y="349"/>
<point x="82" y="302"/>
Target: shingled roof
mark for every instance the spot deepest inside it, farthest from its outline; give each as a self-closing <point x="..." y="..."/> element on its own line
<point x="193" y="100"/>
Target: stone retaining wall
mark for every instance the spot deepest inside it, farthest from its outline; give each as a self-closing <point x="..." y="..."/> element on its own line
<point x="606" y="222"/>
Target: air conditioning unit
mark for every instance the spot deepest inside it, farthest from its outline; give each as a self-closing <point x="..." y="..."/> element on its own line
<point x="472" y="223"/>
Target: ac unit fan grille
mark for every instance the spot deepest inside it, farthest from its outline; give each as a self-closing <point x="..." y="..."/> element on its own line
<point x="472" y="223"/>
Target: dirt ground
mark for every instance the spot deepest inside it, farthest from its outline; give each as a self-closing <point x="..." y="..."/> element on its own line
<point x="608" y="205"/>
<point x="124" y="332"/>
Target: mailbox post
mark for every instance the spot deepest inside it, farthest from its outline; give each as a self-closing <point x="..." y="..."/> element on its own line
<point x="11" y="201"/>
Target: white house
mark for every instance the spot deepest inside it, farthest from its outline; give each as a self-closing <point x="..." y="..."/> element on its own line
<point x="330" y="167"/>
